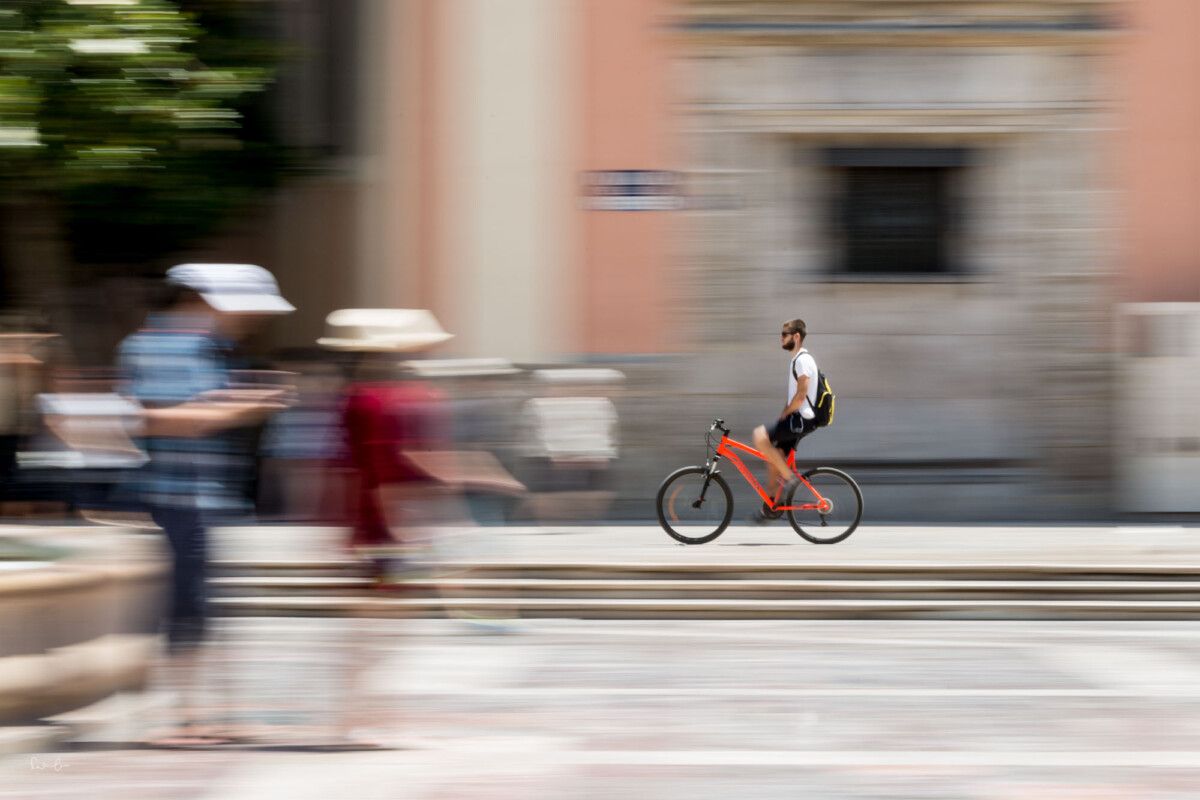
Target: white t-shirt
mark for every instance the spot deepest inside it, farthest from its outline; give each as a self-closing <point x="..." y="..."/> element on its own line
<point x="803" y="364"/>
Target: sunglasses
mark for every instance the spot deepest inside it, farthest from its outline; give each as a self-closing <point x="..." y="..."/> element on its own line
<point x="787" y="333"/>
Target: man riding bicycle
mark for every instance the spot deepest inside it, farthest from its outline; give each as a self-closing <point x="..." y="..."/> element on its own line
<point x="777" y="438"/>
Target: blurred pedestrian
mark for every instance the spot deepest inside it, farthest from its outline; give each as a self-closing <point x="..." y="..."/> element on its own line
<point x="21" y="374"/>
<point x="299" y="443"/>
<point x="176" y="368"/>
<point x="385" y="417"/>
<point x="484" y="402"/>
<point x="571" y="442"/>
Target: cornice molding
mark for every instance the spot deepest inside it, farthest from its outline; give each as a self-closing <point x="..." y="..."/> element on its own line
<point x="897" y="22"/>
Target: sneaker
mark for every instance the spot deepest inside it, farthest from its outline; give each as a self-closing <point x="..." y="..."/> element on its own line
<point x="768" y="512"/>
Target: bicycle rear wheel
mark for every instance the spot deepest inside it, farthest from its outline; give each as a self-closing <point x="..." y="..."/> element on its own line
<point x="837" y="501"/>
<point x="694" y="507"/>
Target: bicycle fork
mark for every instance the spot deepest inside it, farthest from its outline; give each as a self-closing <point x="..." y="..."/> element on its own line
<point x="712" y="470"/>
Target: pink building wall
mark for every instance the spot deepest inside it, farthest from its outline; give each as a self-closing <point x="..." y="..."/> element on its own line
<point x="626" y="125"/>
<point x="1160" y="148"/>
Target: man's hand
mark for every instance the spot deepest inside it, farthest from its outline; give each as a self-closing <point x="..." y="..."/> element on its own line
<point x="798" y="398"/>
<point x="281" y="396"/>
<point x="215" y="412"/>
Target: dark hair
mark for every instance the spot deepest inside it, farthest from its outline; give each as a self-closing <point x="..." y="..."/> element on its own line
<point x="796" y="326"/>
<point x="167" y="295"/>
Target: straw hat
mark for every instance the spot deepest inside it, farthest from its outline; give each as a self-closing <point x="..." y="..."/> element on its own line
<point x="382" y="330"/>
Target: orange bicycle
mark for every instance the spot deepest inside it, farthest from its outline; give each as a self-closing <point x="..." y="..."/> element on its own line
<point x="693" y="513"/>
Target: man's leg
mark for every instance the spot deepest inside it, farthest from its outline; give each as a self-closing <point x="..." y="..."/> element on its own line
<point x="187" y="536"/>
<point x="185" y="622"/>
<point x="777" y="467"/>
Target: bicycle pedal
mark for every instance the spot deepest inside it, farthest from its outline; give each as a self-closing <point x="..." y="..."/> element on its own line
<point x="769" y="513"/>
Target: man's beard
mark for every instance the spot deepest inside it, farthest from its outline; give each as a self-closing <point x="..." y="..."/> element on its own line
<point x="790" y="346"/>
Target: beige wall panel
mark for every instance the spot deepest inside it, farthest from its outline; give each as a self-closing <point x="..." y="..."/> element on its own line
<point x="507" y="213"/>
<point x="387" y="272"/>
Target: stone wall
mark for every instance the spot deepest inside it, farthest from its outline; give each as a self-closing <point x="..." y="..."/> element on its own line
<point x="980" y="395"/>
<point x="78" y="619"/>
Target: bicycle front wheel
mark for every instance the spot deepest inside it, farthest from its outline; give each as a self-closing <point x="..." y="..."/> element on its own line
<point x="694" y="507"/>
<point x="833" y="506"/>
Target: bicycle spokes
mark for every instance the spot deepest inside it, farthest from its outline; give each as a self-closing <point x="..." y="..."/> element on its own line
<point x="694" y="505"/>
<point x="687" y="504"/>
<point x="827" y="500"/>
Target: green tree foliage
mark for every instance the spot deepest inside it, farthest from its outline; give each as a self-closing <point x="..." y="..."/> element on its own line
<point x="142" y="120"/>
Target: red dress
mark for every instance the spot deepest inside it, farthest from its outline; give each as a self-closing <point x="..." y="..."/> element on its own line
<point x="379" y="423"/>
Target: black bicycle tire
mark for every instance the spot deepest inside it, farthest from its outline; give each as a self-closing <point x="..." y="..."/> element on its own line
<point x="791" y="515"/>
<point x="662" y="517"/>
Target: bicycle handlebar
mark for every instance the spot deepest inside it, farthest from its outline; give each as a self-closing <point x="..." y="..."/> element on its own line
<point x="719" y="424"/>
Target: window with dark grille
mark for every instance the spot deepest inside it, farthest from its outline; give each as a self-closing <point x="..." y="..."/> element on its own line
<point x="895" y="210"/>
<point x="318" y="91"/>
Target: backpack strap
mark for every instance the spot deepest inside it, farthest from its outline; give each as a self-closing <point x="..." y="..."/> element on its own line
<point x="797" y="358"/>
<point x="796" y="377"/>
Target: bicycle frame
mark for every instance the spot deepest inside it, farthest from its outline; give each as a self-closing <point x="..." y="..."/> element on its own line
<point x="728" y="449"/>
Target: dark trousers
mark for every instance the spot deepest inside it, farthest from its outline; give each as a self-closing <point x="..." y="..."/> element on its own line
<point x="188" y="541"/>
<point x="9" y="443"/>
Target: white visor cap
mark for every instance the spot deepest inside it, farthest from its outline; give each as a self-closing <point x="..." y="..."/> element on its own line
<point x="232" y="288"/>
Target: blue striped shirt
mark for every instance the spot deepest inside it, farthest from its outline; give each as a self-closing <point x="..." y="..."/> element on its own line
<point x="172" y="360"/>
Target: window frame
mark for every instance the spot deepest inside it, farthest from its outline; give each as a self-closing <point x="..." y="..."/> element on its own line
<point x="951" y="161"/>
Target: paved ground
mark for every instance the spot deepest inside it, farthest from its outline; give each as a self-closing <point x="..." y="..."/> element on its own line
<point x="696" y="710"/>
<point x="1108" y="545"/>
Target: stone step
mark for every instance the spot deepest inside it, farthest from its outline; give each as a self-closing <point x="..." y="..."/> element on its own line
<point x="290" y="585"/>
<point x="609" y="608"/>
<point x="298" y="568"/>
<point x="748" y="589"/>
<point x="893" y="570"/>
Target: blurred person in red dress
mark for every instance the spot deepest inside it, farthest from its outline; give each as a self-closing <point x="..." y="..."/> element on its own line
<point x="386" y="419"/>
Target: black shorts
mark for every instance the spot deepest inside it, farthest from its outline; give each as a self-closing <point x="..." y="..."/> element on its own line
<point x="787" y="432"/>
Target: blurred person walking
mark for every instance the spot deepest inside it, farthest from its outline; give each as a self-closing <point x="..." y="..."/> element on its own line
<point x="483" y="401"/>
<point x="386" y="418"/>
<point x="21" y="376"/>
<point x="299" y="443"/>
<point x="777" y="438"/>
<point x="176" y="367"/>
<point x="571" y="442"/>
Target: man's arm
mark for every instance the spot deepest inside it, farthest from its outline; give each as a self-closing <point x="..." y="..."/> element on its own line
<point x="798" y="398"/>
<point x="195" y="419"/>
<point x="177" y="402"/>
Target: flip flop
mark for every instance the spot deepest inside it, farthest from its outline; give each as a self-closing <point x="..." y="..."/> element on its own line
<point x="190" y="741"/>
<point x="200" y="736"/>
